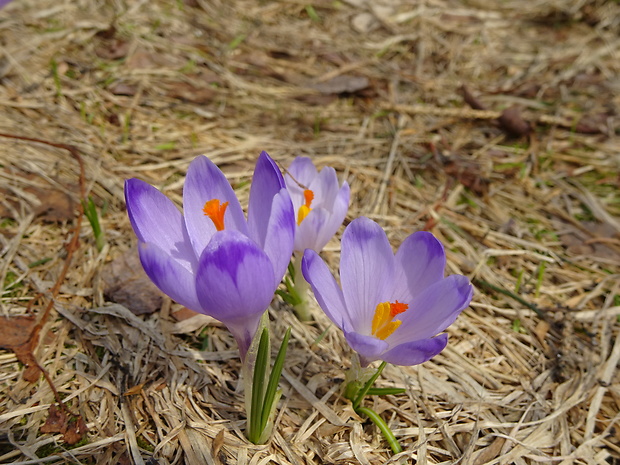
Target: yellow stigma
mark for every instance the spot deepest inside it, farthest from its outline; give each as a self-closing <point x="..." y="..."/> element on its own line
<point x="382" y="324"/>
<point x="215" y="211"/>
<point x="305" y="208"/>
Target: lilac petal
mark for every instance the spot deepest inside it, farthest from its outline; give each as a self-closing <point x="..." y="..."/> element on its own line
<point x="309" y="233"/>
<point x="325" y="188"/>
<point x="416" y="352"/>
<point x="155" y="219"/>
<point x="266" y="184"/>
<point x="234" y="280"/>
<point x="299" y="177"/>
<point x="170" y="276"/>
<point x="338" y="214"/>
<point x="369" y="347"/>
<point x="434" y="310"/>
<point x="366" y="271"/>
<point x="422" y="263"/>
<point x="326" y="290"/>
<point x="244" y="330"/>
<point x="280" y="234"/>
<point x="204" y="182"/>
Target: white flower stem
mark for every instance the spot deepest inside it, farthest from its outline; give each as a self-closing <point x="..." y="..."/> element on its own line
<point x="300" y="287"/>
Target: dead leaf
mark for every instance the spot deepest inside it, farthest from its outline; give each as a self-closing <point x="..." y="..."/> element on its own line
<point x="126" y="283"/>
<point x="143" y="59"/>
<point x="471" y="100"/>
<point x="134" y="390"/>
<point x="342" y="84"/>
<point x="113" y="49"/>
<point x="513" y="123"/>
<point x="594" y="242"/>
<point x="16" y="335"/>
<point x="218" y="442"/>
<point x="121" y="88"/>
<point x="56" y="421"/>
<point x="469" y="174"/>
<point x="490" y="452"/>
<point x="183" y="314"/>
<point x="53" y="206"/>
<point x="56" y="206"/>
<point x="593" y="124"/>
<point x="76" y="430"/>
<point x="72" y="427"/>
<point x="189" y="93"/>
<point x="541" y="330"/>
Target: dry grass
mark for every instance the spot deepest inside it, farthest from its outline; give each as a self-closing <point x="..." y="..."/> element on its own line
<point x="537" y="216"/>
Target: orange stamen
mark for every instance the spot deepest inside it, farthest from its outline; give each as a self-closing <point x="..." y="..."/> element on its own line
<point x="382" y="324"/>
<point x="397" y="308"/>
<point x="305" y="209"/>
<point x="215" y="211"/>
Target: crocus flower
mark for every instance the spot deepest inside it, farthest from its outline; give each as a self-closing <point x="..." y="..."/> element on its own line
<point x="390" y="307"/>
<point x="210" y="259"/>
<point x="320" y="202"/>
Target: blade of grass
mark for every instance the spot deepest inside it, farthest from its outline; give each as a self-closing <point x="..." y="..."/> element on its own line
<point x="258" y="386"/>
<point x="385" y="429"/>
<point x="274" y="379"/>
<point x="367" y="386"/>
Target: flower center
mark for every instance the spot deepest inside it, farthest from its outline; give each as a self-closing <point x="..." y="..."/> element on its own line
<point x="215" y="211"/>
<point x="305" y="208"/>
<point x="382" y="324"/>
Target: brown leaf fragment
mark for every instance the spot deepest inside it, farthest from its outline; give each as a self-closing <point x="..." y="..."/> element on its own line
<point x="218" y="442"/>
<point x="597" y="239"/>
<point x="56" y="421"/>
<point x="76" y="430"/>
<point x="126" y="283"/>
<point x="16" y="335"/>
<point x="121" y="88"/>
<point x="56" y="206"/>
<point x="343" y="84"/>
<point x="183" y="314"/>
<point x="190" y="93"/>
<point x="470" y="99"/>
<point x="490" y="452"/>
<point x="513" y="123"/>
<point x="593" y="124"/>
<point x="113" y="49"/>
<point x="72" y="427"/>
<point x="469" y="174"/>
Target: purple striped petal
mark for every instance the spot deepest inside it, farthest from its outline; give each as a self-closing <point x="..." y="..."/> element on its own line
<point x="266" y="184"/>
<point x="416" y="352"/>
<point x="366" y="271"/>
<point x="325" y="187"/>
<point x="280" y="234"/>
<point x="156" y="220"/>
<point x="369" y="347"/>
<point x="308" y="234"/>
<point x="422" y="263"/>
<point x="326" y="290"/>
<point x="299" y="176"/>
<point x="169" y="275"/>
<point x="204" y="182"/>
<point x="316" y="230"/>
<point x="433" y="310"/>
<point x="234" y="277"/>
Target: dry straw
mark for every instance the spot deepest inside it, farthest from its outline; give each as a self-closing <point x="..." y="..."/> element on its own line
<point x="142" y="87"/>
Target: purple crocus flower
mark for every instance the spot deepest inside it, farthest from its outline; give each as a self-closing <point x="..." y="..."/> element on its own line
<point x="320" y="202"/>
<point x="210" y="258"/>
<point x="3" y="3"/>
<point x="390" y="307"/>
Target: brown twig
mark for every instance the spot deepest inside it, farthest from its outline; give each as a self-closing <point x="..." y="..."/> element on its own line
<point x="71" y="248"/>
